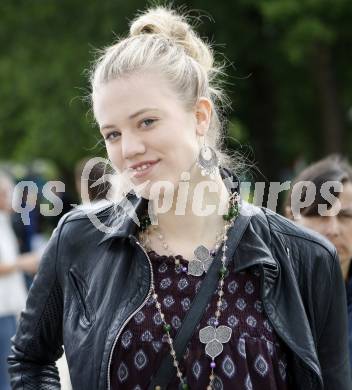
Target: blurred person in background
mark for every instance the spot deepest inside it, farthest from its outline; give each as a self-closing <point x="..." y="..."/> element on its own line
<point x="335" y="225"/>
<point x="13" y="290"/>
<point x="67" y="200"/>
<point x="27" y="234"/>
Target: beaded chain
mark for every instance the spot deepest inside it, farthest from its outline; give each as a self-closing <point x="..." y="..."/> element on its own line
<point x="215" y="336"/>
<point x="178" y="267"/>
<point x="145" y="236"/>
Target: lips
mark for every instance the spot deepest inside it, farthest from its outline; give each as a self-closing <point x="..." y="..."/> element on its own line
<point x="143" y="168"/>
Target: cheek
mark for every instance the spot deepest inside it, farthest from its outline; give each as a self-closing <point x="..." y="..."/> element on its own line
<point x="183" y="151"/>
<point x="114" y="156"/>
<point x="311" y="224"/>
<point x="347" y="231"/>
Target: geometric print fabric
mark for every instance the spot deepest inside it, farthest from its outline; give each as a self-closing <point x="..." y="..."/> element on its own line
<point x="254" y="358"/>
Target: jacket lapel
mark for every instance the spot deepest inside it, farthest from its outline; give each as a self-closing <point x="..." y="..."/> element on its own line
<point x="124" y="218"/>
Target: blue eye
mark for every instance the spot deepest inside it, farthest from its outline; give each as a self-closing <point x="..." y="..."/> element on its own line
<point x="148" y="122"/>
<point x="112" y="135"/>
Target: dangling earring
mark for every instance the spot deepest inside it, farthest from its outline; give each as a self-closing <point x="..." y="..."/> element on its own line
<point x="208" y="161"/>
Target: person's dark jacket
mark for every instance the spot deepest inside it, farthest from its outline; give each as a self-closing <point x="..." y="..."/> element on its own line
<point x="91" y="283"/>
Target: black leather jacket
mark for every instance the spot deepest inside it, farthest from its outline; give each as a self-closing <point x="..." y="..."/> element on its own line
<point x="91" y="283"/>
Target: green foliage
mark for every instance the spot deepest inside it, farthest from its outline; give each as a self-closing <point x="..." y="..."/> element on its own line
<point x="44" y="89"/>
<point x="48" y="45"/>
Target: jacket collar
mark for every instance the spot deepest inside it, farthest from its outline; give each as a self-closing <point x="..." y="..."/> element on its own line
<point x="254" y="248"/>
<point x="124" y="220"/>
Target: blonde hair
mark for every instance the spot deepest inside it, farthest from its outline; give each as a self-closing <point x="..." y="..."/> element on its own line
<point x="162" y="39"/>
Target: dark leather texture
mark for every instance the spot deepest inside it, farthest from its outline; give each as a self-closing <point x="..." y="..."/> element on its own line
<point x="90" y="283"/>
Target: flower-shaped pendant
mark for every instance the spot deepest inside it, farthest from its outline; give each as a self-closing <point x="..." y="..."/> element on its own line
<point x="214" y="338"/>
<point x="201" y="263"/>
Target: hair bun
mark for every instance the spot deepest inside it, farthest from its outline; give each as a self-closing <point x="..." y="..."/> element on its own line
<point x="167" y="23"/>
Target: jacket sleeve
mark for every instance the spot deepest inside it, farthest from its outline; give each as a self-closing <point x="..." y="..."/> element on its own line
<point x="333" y="339"/>
<point x="38" y="341"/>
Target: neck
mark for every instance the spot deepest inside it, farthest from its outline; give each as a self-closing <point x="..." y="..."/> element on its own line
<point x="196" y="207"/>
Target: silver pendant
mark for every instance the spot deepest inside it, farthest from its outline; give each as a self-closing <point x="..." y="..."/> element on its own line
<point x="214" y="338"/>
<point x="201" y="263"/>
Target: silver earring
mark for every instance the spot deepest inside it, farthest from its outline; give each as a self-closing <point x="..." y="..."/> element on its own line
<point x="208" y="161"/>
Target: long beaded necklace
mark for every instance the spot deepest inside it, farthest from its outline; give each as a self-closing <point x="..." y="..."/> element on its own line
<point x="202" y="256"/>
<point x="212" y="336"/>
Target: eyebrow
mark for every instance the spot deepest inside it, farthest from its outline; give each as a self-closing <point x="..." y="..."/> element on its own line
<point x="142" y="111"/>
<point x="132" y="116"/>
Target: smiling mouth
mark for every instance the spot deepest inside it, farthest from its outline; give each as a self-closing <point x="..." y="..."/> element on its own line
<point x="143" y="170"/>
<point x="143" y="167"/>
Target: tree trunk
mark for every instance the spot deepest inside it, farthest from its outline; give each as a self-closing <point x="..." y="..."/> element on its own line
<point x="328" y="99"/>
<point x="262" y="122"/>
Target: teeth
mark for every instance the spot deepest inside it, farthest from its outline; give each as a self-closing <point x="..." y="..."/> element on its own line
<point x="142" y="167"/>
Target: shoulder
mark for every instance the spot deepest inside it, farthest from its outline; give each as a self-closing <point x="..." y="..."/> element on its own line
<point x="85" y="223"/>
<point x="82" y="214"/>
<point x="297" y="234"/>
<point x="305" y="247"/>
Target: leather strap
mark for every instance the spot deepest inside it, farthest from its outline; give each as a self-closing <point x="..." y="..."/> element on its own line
<point x="167" y="371"/>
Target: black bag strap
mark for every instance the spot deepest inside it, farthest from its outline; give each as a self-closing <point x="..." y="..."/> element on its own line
<point x="167" y="371"/>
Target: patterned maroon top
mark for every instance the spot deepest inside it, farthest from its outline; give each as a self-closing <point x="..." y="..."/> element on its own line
<point x="254" y="358"/>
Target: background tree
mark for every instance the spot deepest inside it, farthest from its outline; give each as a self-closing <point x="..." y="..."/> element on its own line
<point x="290" y="82"/>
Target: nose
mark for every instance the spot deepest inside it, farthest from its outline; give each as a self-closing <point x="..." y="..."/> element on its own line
<point x="332" y="228"/>
<point x="131" y="145"/>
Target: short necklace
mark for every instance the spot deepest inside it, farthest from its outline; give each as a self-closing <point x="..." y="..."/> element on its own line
<point x="202" y="256"/>
<point x="212" y="336"/>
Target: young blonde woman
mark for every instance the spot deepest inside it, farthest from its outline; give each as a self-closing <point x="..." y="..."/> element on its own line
<point x="187" y="287"/>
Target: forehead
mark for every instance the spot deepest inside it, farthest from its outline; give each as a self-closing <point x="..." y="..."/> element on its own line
<point x="119" y="98"/>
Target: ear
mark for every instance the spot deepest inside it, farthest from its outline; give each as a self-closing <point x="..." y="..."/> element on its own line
<point x="203" y="110"/>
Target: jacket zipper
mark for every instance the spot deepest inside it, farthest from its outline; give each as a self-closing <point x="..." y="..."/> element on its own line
<point x="133" y="313"/>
